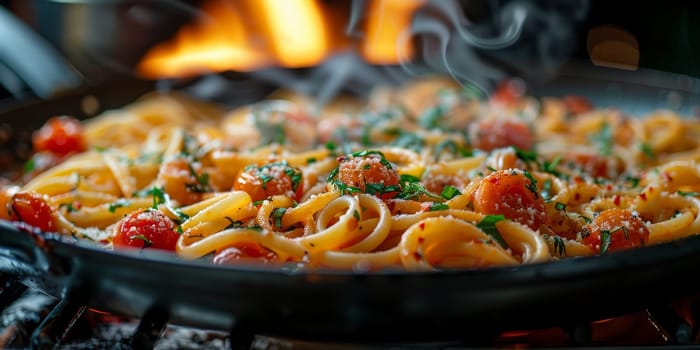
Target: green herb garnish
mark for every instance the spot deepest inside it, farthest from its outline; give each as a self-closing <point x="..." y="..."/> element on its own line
<point x="277" y="215"/>
<point x="488" y="225"/>
<point x="450" y="192"/>
<point x="439" y="206"/>
<point x="120" y="203"/>
<point x="146" y="242"/>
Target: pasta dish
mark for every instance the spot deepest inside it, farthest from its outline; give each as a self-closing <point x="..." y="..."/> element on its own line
<point x="420" y="177"/>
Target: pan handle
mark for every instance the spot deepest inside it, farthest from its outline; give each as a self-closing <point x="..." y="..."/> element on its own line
<point x="21" y="253"/>
<point x="26" y="56"/>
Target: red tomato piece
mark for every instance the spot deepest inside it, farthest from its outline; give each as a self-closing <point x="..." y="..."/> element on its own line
<point x="146" y="228"/>
<point x="32" y="208"/>
<point x="369" y="172"/>
<point x="513" y="194"/>
<point x="577" y="104"/>
<point x="615" y="229"/>
<point x="270" y="180"/>
<point x="491" y="134"/>
<point x="508" y="92"/>
<point x="592" y="164"/>
<point x="181" y="182"/>
<point x="60" y="135"/>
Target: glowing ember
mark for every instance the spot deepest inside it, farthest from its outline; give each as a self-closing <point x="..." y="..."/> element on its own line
<point x="252" y="34"/>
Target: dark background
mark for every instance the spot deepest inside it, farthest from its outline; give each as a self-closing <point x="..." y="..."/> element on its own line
<point x="668" y="33"/>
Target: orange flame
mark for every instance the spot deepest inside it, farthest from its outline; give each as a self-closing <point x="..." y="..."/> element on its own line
<point x="252" y="34"/>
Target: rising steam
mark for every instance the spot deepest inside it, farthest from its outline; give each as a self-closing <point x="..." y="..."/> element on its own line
<point x="526" y="38"/>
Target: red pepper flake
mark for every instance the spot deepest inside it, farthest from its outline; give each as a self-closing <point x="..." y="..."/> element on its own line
<point x="616" y="200"/>
<point x="667" y="176"/>
<point x="421" y="226"/>
<point x="421" y="239"/>
<point x="577" y="196"/>
<point x="417" y="255"/>
<point x="609" y="187"/>
<point x="643" y="196"/>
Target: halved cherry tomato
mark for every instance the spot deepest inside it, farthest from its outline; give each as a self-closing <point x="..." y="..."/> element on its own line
<point x="508" y="92"/>
<point x="591" y="163"/>
<point x="242" y="252"/>
<point x="32" y="208"/>
<point x="615" y="229"/>
<point x="145" y="228"/>
<point x="369" y="172"/>
<point x="513" y="194"/>
<point x="577" y="104"/>
<point x="270" y="180"/>
<point x="60" y="135"/>
<point x="181" y="181"/>
<point x="490" y="134"/>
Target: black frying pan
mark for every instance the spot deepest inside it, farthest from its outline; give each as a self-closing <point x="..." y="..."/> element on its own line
<point x="386" y="306"/>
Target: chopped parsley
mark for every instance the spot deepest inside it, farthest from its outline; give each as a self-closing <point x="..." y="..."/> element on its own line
<point x="277" y="215"/>
<point x="380" y="188"/>
<point x="30" y="165"/>
<point x="647" y="150"/>
<point x="439" y="206"/>
<point x="450" y="145"/>
<point x="551" y="167"/>
<point x="605" y="241"/>
<point x="488" y="225"/>
<point x="146" y="242"/>
<point x="356" y="214"/>
<point x="532" y="186"/>
<point x="431" y="117"/>
<point x="157" y="193"/>
<point x="409" y="178"/>
<point x="690" y="194"/>
<point x="414" y="190"/>
<point x="559" y="206"/>
<point x="409" y="140"/>
<point x="202" y="181"/>
<point x="450" y="192"/>
<point x="118" y="204"/>
<point x="559" y="246"/>
<point x="69" y="207"/>
<point x="603" y="140"/>
<point x="526" y="156"/>
<point x="634" y="181"/>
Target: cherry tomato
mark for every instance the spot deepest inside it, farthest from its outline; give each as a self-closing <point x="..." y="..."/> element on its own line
<point x="369" y="172"/>
<point x="181" y="182"/>
<point x="145" y="228"/>
<point x="513" y="194"/>
<point x="508" y="92"/>
<point x="243" y="252"/>
<point x="60" y="135"/>
<point x="270" y="180"/>
<point x="577" y="104"/>
<point x="491" y="134"/>
<point x="591" y="163"/>
<point x="615" y="229"/>
<point x="32" y="208"/>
